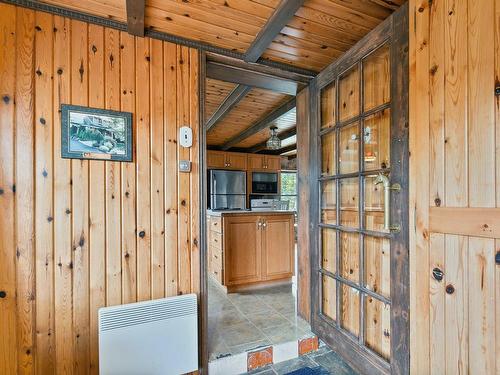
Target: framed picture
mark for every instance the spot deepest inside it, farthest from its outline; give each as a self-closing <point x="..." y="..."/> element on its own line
<point x="93" y="133"/>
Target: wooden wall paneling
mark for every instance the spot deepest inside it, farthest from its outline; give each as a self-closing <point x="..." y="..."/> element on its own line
<point x="481" y="108"/>
<point x="419" y="176"/>
<point x="8" y="323"/>
<point x="63" y="271"/>
<point x="97" y="214"/>
<point x="157" y="167"/>
<point x="24" y="191"/>
<point x="143" y="168"/>
<point x="194" y="120"/>
<point x="184" y="198"/>
<point x="497" y="117"/>
<point x="80" y="204"/>
<point x="113" y="178"/>
<point x="497" y="308"/>
<point x="44" y="216"/>
<point x="170" y="174"/>
<point x="128" y="173"/>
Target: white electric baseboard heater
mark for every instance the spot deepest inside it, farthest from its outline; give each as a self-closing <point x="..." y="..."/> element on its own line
<point x="149" y="338"/>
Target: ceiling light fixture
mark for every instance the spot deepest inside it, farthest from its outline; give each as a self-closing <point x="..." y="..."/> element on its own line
<point x="273" y="143"/>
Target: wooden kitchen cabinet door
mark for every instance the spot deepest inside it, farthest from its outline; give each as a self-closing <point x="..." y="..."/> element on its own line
<point x="236" y="161"/>
<point x="256" y="162"/>
<point x="243" y="249"/>
<point x="277" y="247"/>
<point x="273" y="163"/>
<point x="216" y="159"/>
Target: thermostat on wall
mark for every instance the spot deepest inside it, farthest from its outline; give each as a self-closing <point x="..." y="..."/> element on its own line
<point x="186" y="136"/>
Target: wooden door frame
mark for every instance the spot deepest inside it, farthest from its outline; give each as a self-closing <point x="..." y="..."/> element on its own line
<point x="396" y="29"/>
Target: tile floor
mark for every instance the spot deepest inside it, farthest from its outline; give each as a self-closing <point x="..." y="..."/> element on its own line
<point x="238" y="322"/>
<point x="323" y="357"/>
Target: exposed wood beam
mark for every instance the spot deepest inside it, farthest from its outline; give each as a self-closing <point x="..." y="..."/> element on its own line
<point x="135" y="17"/>
<point x="281" y="150"/>
<point x="251" y="78"/>
<point x="283" y="135"/>
<point x="261" y="124"/>
<point x="278" y="20"/>
<point x="229" y="102"/>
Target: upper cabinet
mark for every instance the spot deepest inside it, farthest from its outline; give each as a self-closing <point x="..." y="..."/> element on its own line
<point x="264" y="162"/>
<point x="226" y="160"/>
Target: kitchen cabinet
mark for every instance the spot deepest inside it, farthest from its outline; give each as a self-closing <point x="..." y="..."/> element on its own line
<point x="278" y="244"/>
<point x="264" y="162"/>
<point x="226" y="160"/>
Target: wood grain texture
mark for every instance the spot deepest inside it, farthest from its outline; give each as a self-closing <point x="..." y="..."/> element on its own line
<point x="71" y="228"/>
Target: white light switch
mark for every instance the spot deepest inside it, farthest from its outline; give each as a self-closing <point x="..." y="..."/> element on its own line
<point x="186" y="136"/>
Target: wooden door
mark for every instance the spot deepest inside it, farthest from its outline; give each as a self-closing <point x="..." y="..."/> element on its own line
<point x="216" y="159"/>
<point x="273" y="163"/>
<point x="236" y="161"/>
<point x="255" y="162"/>
<point x="359" y="238"/>
<point x="242" y="249"/>
<point x="277" y="247"/>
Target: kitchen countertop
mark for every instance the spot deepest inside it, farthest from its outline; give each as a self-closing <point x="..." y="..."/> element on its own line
<point x="249" y="212"/>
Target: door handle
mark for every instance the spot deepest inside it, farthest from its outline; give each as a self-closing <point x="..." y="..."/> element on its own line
<point x="384" y="180"/>
<point x="259" y="225"/>
<point x="264" y="224"/>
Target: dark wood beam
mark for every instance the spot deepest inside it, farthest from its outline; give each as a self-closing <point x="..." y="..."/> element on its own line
<point x="278" y="20"/>
<point x="281" y="150"/>
<point x="251" y="78"/>
<point x="283" y="135"/>
<point x="135" y="17"/>
<point x="229" y="102"/>
<point x="261" y="124"/>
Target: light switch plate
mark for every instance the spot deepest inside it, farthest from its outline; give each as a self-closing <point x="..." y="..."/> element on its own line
<point x="184" y="166"/>
<point x="186" y="136"/>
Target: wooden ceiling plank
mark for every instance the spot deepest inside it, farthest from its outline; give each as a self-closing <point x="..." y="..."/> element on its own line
<point x="227" y="104"/>
<point x="263" y="145"/>
<point x="261" y="124"/>
<point x="135" y="17"/>
<point x="273" y="26"/>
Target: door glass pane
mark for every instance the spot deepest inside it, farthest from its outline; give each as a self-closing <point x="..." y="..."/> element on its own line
<point x="349" y="256"/>
<point x="349" y="311"/>
<point x="329" y="249"/>
<point x="349" y="202"/>
<point x="378" y="326"/>
<point x="349" y="94"/>
<point x="328" y="202"/>
<point x="328" y="154"/>
<point x="377" y="265"/>
<point x="377" y="138"/>
<point x="376" y="76"/>
<point x="329" y="293"/>
<point x="349" y="148"/>
<point x="374" y="205"/>
<point x="328" y="106"/>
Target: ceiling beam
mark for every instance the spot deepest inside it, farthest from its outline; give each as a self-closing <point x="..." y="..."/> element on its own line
<point x="260" y="124"/>
<point x="135" y="17"/>
<point x="263" y="145"/>
<point x="229" y="102"/>
<point x="278" y="20"/>
<point x="282" y="150"/>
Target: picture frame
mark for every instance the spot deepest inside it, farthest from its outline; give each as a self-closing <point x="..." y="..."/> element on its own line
<point x="96" y="134"/>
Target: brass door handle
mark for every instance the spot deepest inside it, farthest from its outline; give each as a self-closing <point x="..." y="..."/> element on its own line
<point x="259" y="224"/>
<point x="384" y="180"/>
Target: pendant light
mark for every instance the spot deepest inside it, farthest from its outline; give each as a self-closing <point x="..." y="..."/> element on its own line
<point x="273" y="143"/>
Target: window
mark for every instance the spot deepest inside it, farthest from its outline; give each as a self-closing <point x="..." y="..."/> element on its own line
<point x="289" y="189"/>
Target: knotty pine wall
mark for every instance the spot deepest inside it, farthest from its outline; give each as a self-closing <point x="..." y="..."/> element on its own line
<point x="70" y="230"/>
<point x="455" y="186"/>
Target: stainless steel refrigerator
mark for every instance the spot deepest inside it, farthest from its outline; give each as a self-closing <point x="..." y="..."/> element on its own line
<point x="227" y="190"/>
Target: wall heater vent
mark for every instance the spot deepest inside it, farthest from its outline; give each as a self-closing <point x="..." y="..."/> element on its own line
<point x="149" y="338"/>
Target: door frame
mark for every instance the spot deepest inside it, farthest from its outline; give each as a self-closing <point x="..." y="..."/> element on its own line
<point x="395" y="29"/>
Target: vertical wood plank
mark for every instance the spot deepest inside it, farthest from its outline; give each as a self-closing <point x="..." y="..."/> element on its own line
<point x="481" y="319"/>
<point x="113" y="181"/>
<point x="8" y="339"/>
<point x="80" y="203"/>
<point x="63" y="270"/>
<point x="157" y="159"/>
<point x="128" y="197"/>
<point x="457" y="329"/>
<point x="24" y="190"/>
<point x="456" y="104"/>
<point x="194" y="110"/>
<point x="497" y="105"/>
<point x="142" y="56"/>
<point x="97" y="214"/>
<point x="44" y="215"/>
<point x="497" y="311"/>
<point x="437" y="306"/>
<point x="184" y="201"/>
<point x="170" y="169"/>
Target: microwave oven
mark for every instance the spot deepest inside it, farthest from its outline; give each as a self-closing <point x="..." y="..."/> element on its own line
<point x="264" y="183"/>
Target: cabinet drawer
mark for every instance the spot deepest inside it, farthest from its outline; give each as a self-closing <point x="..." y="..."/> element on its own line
<point x="215" y="240"/>
<point x="216" y="224"/>
<point x="216" y="268"/>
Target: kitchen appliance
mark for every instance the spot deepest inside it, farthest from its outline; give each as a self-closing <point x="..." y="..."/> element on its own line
<point x="264" y="183"/>
<point x="227" y="190"/>
<point x="152" y="337"/>
<point x="267" y="205"/>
